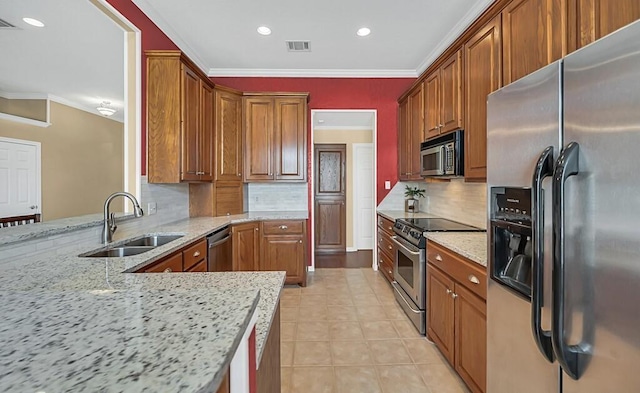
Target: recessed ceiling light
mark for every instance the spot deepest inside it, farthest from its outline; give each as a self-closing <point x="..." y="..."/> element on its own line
<point x="264" y="30"/>
<point x="363" y="31"/>
<point x="33" y="22"/>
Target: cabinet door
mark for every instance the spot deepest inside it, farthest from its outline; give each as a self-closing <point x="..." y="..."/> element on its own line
<point x="531" y="37"/>
<point x="284" y="253"/>
<point x="416" y="132"/>
<point x="432" y="105"/>
<point x="451" y="117"/>
<point x="590" y="20"/>
<point x="482" y="76"/>
<point x="440" y="311"/>
<point x="258" y="148"/>
<point x="290" y="134"/>
<point x="228" y="120"/>
<point x="190" y="124"/>
<point x="205" y="158"/>
<point x="403" y="140"/>
<point x="246" y="246"/>
<point x="471" y="339"/>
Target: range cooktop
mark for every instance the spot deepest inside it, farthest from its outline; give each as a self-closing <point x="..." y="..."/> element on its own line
<point x="438" y="225"/>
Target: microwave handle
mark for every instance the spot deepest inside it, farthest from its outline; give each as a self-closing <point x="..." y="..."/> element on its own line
<point x="443" y="160"/>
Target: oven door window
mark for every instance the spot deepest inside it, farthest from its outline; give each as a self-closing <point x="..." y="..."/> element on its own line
<point x="406" y="268"/>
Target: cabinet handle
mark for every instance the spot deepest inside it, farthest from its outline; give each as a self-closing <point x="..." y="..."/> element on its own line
<point x="300" y="241"/>
<point x="256" y="229"/>
<point x="239" y="174"/>
<point x="473" y="279"/>
<point x="438" y="257"/>
<point x="449" y="291"/>
<point x="390" y="272"/>
<point x="453" y="295"/>
<point x="167" y="270"/>
<point x="390" y="248"/>
<point x="196" y="254"/>
<point x="391" y="228"/>
<point x="284" y="227"/>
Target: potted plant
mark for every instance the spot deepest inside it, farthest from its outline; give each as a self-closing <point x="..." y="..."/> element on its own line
<point x="411" y="203"/>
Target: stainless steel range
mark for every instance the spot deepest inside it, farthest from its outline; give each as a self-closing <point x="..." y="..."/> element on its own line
<point x="410" y="263"/>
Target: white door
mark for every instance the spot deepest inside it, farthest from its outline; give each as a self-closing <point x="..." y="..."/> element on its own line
<point x="19" y="177"/>
<point x="363" y="203"/>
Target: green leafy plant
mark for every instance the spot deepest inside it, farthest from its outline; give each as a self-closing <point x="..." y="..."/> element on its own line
<point x="413" y="192"/>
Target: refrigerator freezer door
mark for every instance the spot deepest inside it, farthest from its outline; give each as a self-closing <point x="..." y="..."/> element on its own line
<point x="523" y="120"/>
<point x="602" y="213"/>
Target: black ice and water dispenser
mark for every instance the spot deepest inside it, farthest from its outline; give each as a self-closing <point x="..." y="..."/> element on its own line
<point x="511" y="248"/>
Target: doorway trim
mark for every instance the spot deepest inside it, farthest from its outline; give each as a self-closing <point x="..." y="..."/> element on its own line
<point x="374" y="130"/>
<point x="356" y="198"/>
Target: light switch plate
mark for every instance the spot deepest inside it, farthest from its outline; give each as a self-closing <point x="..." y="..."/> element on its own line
<point x="387" y="185"/>
<point x="152" y="208"/>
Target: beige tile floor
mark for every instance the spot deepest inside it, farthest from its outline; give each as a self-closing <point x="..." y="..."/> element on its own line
<point x="344" y="333"/>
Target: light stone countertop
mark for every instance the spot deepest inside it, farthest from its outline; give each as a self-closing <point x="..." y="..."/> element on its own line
<point x="117" y="341"/>
<point x="472" y="245"/>
<point x="40" y="284"/>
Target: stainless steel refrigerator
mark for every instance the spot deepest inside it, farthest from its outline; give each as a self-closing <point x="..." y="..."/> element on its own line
<point x="563" y="178"/>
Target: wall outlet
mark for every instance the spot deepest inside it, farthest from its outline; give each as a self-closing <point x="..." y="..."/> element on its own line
<point x="387" y="185"/>
<point x="152" y="208"/>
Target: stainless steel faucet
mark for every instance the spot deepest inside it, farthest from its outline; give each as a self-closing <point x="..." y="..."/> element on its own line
<point x="110" y="218"/>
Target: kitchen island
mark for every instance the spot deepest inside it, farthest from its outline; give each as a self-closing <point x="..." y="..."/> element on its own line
<point x="87" y="324"/>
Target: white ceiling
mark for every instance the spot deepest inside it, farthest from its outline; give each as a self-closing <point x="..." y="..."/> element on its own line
<point x="220" y="35"/>
<point x="78" y="56"/>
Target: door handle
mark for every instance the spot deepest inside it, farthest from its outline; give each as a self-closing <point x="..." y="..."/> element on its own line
<point x="572" y="358"/>
<point x="543" y="169"/>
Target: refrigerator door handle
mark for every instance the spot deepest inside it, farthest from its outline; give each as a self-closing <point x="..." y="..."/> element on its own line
<point x="572" y="358"/>
<point x="543" y="169"/>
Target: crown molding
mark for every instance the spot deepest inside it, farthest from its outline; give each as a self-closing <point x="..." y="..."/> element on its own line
<point x="311" y="73"/>
<point x="459" y="28"/>
<point x="24" y="120"/>
<point x="147" y="8"/>
<point x="93" y="111"/>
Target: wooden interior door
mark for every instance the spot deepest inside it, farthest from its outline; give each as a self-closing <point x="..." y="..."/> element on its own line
<point x="330" y="198"/>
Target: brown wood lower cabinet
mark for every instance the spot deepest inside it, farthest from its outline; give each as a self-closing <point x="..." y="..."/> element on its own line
<point x="386" y="247"/>
<point x="225" y="386"/>
<point x="192" y="258"/>
<point x="457" y="313"/>
<point x="268" y="374"/>
<point x="275" y="245"/>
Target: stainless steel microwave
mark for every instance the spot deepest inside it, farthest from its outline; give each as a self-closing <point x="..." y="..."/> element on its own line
<point x="443" y="156"/>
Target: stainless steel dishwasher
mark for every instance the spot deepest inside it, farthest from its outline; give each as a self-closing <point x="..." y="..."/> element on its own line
<point x="219" y="255"/>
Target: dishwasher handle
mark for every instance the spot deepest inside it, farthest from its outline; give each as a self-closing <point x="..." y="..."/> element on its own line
<point x="219" y="242"/>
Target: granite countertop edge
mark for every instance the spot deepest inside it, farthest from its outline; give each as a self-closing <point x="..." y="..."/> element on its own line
<point x="471" y="245"/>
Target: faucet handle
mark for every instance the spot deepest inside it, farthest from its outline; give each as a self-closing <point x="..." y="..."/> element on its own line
<point x="112" y="222"/>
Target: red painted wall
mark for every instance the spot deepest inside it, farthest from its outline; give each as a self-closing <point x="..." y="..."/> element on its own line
<point x="346" y="93"/>
<point x="325" y="93"/>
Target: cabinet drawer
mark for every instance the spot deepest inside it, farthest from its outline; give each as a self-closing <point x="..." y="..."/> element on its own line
<point x="385" y="265"/>
<point x="283" y="227"/>
<point x="199" y="267"/>
<point x="385" y="224"/>
<point x="169" y="265"/>
<point x="194" y="254"/>
<point x="386" y="244"/>
<point x="464" y="271"/>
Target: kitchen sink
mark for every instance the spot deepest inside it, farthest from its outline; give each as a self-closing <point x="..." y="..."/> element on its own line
<point x="118" y="252"/>
<point x="151" y="241"/>
<point x="133" y="246"/>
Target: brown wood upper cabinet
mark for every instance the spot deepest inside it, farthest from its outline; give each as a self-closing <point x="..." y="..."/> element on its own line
<point x="482" y="72"/>
<point x="179" y="119"/>
<point x="410" y="134"/>
<point x="531" y="36"/>
<point x="228" y="131"/>
<point x="590" y="20"/>
<point x="275" y="130"/>
<point x="443" y="98"/>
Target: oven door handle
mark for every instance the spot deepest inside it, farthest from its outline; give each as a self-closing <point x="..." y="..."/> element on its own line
<point x="395" y="287"/>
<point x="395" y="239"/>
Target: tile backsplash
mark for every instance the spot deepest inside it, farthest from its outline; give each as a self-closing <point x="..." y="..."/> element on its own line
<point x="172" y="202"/>
<point x="455" y="200"/>
<point x="273" y="197"/>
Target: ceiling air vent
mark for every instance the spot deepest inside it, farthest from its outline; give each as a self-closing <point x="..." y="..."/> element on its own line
<point x="6" y="25"/>
<point x="298" y="46"/>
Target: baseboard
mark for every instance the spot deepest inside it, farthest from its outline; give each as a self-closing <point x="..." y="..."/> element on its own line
<point x="351" y="249"/>
<point x="311" y="268"/>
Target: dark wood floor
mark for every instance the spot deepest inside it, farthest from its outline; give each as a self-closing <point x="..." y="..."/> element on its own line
<point x="361" y="258"/>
